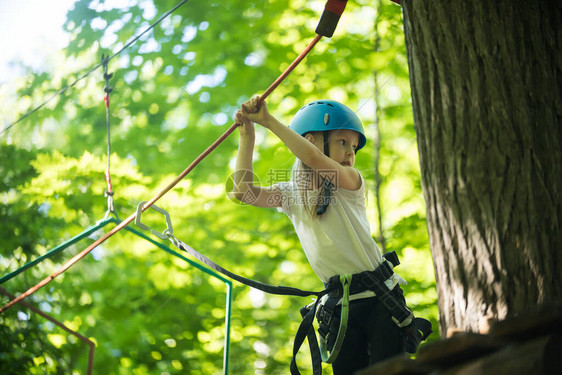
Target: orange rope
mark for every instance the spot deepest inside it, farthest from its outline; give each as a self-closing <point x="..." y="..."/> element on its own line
<point x="125" y="222"/>
<point x="89" y="342"/>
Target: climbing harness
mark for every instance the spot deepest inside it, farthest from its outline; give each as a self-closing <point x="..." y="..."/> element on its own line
<point x="332" y="329"/>
<point x="339" y="288"/>
<point x="419" y="329"/>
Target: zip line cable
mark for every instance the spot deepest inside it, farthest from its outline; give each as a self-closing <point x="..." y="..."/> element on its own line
<point x="65" y="88"/>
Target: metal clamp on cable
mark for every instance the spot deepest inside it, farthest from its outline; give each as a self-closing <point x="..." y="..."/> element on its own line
<point x="330" y="17"/>
<point x="110" y="206"/>
<point x="106" y="76"/>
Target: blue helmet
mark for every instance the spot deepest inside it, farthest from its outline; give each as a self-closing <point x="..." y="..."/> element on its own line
<point x="325" y="115"/>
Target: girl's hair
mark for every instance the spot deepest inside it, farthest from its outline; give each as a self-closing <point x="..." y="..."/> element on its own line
<point x="303" y="177"/>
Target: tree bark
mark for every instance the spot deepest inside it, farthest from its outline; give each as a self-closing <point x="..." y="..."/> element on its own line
<point x="486" y="81"/>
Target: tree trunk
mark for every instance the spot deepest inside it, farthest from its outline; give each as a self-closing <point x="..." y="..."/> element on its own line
<point x="486" y="81"/>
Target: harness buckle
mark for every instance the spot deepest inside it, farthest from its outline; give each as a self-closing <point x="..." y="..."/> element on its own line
<point x="324" y="316"/>
<point x="392" y="257"/>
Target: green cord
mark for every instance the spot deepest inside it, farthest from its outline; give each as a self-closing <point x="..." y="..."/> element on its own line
<point x="346" y="282"/>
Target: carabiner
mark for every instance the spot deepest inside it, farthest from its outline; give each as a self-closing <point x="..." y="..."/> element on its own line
<point x="167" y="233"/>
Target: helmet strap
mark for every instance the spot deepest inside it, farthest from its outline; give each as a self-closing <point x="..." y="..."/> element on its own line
<point x="326" y="134"/>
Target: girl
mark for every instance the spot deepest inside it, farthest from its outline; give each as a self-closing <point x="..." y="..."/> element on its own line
<point x="325" y="201"/>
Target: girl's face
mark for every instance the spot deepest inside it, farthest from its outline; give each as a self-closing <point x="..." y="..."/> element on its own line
<point x="342" y="146"/>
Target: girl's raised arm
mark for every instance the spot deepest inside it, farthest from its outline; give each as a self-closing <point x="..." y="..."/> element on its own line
<point x="244" y="189"/>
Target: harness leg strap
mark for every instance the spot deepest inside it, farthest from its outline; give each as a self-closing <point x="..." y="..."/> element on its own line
<point x="306" y="329"/>
<point x="313" y="345"/>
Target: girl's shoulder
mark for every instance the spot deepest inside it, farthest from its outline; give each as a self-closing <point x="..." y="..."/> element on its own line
<point x="360" y="192"/>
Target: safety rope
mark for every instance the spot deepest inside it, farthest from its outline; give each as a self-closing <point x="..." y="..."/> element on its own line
<point x="267" y="288"/>
<point x="87" y="341"/>
<point x="94" y="68"/>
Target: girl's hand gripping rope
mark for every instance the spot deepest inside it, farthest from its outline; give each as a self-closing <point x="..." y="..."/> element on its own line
<point x="256" y="111"/>
<point x="246" y="127"/>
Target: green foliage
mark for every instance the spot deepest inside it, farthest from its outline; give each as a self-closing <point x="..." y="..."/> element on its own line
<point x="175" y="92"/>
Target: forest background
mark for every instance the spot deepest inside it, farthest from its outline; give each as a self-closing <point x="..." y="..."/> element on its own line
<point x="175" y="92"/>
